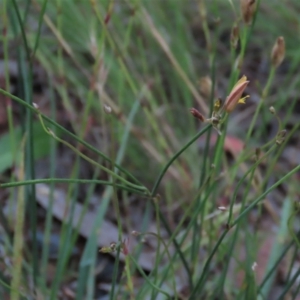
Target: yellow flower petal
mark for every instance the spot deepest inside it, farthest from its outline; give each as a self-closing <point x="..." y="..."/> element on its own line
<point x="217" y="105"/>
<point x="243" y="100"/>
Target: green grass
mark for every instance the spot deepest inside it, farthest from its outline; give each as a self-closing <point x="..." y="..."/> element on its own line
<point x="149" y="159"/>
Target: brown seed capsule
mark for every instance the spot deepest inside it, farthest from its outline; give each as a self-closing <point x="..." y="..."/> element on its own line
<point x="280" y="137"/>
<point x="248" y="8"/>
<point x="205" y="86"/>
<point x="278" y="52"/>
<point x="234" y="36"/>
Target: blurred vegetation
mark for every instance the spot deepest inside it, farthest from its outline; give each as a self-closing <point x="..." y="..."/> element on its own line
<point x="98" y="141"/>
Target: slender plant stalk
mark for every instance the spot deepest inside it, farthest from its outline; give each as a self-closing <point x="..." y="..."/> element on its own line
<point x="26" y="76"/>
<point x="18" y="236"/>
<point x="75" y="137"/>
<point x="36" y="44"/>
<point x="175" y="156"/>
<point x="49" y="217"/>
<point x="276" y="264"/>
<point x="287" y="287"/>
<point x="147" y="279"/>
<point x="204" y="275"/>
<point x="261" y="102"/>
<point x="154" y="191"/>
<point x="11" y="129"/>
<point x="113" y="174"/>
<point x="241" y="181"/>
<point x="69" y="181"/>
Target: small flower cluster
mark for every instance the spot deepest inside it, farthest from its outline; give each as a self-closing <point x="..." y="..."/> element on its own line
<point x="233" y="99"/>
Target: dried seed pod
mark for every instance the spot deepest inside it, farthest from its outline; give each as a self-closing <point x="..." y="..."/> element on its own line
<point x="234" y="36"/>
<point x="280" y="137"/>
<point x="278" y="52"/>
<point x="205" y="86"/>
<point x="248" y="8"/>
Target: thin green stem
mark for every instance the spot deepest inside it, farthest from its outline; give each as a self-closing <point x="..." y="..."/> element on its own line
<point x="243" y="179"/>
<point x="289" y="285"/>
<point x="175" y="156"/>
<point x="161" y="216"/>
<point x="147" y="279"/>
<point x="263" y="195"/>
<point x="205" y="272"/>
<point x="91" y="161"/>
<point x="25" y="68"/>
<point x="41" y="16"/>
<point x="291" y="227"/>
<point x="75" y="137"/>
<point x="18" y="242"/>
<point x="16" y="9"/>
<point x="68" y="181"/>
<point x="276" y="264"/>
<point x="261" y="103"/>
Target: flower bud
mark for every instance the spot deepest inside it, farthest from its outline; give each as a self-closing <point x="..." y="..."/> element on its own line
<point x="248" y="9"/>
<point x="272" y="110"/>
<point x="278" y="52"/>
<point x="235" y="95"/>
<point x="196" y="113"/>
